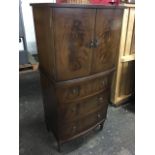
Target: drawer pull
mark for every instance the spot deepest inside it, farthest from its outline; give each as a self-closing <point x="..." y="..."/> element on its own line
<point x="96" y="42"/>
<point x="99" y="116"/>
<point x="91" y="45"/>
<point x="100" y="99"/>
<point x="105" y="82"/>
<point x="75" y="91"/>
<point x="74" y="128"/>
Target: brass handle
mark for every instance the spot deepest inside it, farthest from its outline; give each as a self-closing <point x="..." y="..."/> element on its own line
<point x="96" y="43"/>
<point x="103" y="83"/>
<point x="91" y="44"/>
<point x="75" y="91"/>
<point x="100" y="99"/>
<point x="98" y="115"/>
<point x="74" y="128"/>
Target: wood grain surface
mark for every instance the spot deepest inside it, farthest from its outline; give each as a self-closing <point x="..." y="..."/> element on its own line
<point x="74" y="30"/>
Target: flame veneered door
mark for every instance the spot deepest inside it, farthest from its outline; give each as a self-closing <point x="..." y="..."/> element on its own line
<point x="74" y="33"/>
<point x="106" y="39"/>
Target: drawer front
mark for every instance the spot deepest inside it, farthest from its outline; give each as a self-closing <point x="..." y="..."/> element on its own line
<point x="83" y="89"/>
<point x="76" y="110"/>
<point x="76" y="127"/>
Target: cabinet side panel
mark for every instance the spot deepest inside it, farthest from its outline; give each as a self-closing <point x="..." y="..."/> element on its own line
<point x="44" y="38"/>
<point x="50" y="104"/>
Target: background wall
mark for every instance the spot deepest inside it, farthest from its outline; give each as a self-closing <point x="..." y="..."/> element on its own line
<point x="28" y="23"/>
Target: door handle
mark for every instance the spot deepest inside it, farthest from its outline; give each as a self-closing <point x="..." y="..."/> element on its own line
<point x="91" y="45"/>
<point x="96" y="43"/>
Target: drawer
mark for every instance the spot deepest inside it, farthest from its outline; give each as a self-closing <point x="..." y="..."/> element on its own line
<point x="92" y="119"/>
<point x="79" y="109"/>
<point x="77" y="127"/>
<point x="82" y="89"/>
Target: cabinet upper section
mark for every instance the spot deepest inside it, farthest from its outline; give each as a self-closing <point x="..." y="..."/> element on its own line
<point x="76" y="42"/>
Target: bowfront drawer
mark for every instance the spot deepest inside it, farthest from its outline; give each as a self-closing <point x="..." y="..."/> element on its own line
<point x="92" y="119"/>
<point x="81" y="90"/>
<point x="69" y="130"/>
<point x="76" y="110"/>
<point x="81" y="125"/>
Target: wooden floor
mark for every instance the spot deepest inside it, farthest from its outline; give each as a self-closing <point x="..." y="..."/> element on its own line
<point x="32" y="65"/>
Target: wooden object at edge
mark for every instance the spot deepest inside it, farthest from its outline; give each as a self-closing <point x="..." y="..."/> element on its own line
<point x="33" y="65"/>
<point x="124" y="78"/>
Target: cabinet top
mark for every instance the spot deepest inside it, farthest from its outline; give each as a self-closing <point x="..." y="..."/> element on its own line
<point x="67" y="5"/>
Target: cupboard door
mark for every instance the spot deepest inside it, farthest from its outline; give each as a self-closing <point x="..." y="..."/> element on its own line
<point x="107" y="36"/>
<point x="73" y="28"/>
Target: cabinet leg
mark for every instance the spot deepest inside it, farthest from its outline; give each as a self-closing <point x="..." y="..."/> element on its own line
<point x="59" y="147"/>
<point x="47" y="127"/>
<point x="101" y="126"/>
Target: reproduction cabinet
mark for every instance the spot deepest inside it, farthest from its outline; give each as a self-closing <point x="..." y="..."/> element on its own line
<point x="77" y="48"/>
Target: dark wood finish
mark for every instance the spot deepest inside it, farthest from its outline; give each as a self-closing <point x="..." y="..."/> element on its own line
<point x="107" y="38"/>
<point x="84" y="6"/>
<point x="44" y="38"/>
<point x="59" y="115"/>
<point x="81" y="125"/>
<point x="82" y="89"/>
<point x="81" y="109"/>
<point x="73" y="36"/>
<point x="84" y="79"/>
<point x="75" y="69"/>
<point x="50" y="104"/>
<point x="84" y="132"/>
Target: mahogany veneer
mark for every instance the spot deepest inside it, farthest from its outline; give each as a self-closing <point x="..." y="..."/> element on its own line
<point x="77" y="47"/>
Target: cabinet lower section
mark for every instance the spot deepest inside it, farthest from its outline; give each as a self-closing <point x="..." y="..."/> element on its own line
<point x="79" y="126"/>
<point x="73" y="109"/>
<point x="80" y="133"/>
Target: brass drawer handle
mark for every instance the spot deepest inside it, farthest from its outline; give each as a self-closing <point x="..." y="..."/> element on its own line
<point x="91" y="44"/>
<point x="75" y="91"/>
<point x="96" y="43"/>
<point x="98" y="116"/>
<point x="103" y="83"/>
<point x="74" y="128"/>
<point x="100" y="99"/>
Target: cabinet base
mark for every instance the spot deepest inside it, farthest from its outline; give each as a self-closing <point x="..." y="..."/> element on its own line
<point x="60" y="143"/>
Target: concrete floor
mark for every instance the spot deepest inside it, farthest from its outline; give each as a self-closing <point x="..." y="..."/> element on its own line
<point x="116" y="138"/>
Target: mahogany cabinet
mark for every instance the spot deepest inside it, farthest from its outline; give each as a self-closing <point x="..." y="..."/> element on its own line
<point x="77" y="48"/>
